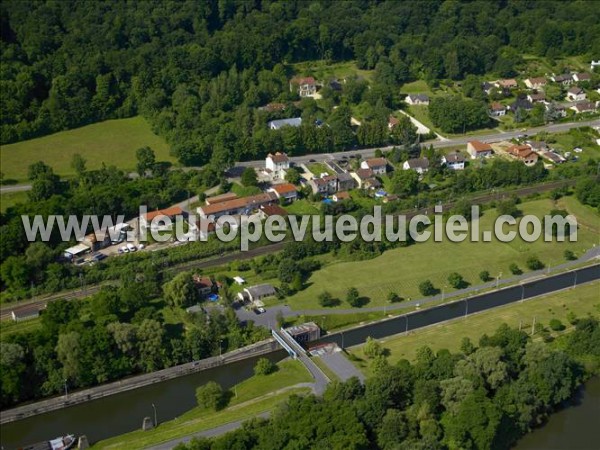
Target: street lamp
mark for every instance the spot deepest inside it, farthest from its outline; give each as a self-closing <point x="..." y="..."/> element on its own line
<point x="575" y="282"/>
<point x="522" y="292"/>
<point x="467" y="307"/>
<point x="155" y="416"/>
<point x="498" y="279"/>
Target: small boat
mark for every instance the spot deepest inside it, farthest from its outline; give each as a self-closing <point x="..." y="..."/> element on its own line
<point x="60" y="443"/>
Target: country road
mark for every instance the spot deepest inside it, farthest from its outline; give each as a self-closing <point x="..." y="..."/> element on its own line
<point x="6" y="310"/>
<point x="367" y="152"/>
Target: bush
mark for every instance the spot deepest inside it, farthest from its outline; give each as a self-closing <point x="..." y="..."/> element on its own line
<point x="372" y="348"/>
<point x="353" y="297"/>
<point x="569" y="255"/>
<point x="326" y="300"/>
<point x="556" y="325"/>
<point x="210" y="396"/>
<point x="484" y="276"/>
<point x="456" y="280"/>
<point x="514" y="269"/>
<point x="392" y="297"/>
<point x="533" y="263"/>
<point x="426" y="288"/>
<point x="264" y="366"/>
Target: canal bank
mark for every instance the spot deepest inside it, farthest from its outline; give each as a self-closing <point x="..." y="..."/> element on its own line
<point x="120" y="413"/>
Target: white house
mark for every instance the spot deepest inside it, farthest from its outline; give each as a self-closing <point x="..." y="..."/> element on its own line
<point x="377" y="165"/>
<point x="417" y="99"/>
<point x="536" y="83"/>
<point x="419" y="165"/>
<point x="582" y="77"/>
<point x="307" y="87"/>
<point x="277" y="164"/>
<point x="454" y="161"/>
<point x="278" y="124"/>
<point x="576" y="94"/>
<point x="325" y="185"/>
<point x="497" y="109"/>
<point x="594" y="64"/>
<point x="478" y="149"/>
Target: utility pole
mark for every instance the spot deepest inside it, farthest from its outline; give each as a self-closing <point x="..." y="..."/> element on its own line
<point x="533" y="326"/>
<point x="467" y="307"/>
<point x="575" y="282"/>
<point x="406" y="324"/>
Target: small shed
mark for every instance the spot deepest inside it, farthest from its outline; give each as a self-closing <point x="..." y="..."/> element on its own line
<point x="25" y="313"/>
<point x="76" y="250"/>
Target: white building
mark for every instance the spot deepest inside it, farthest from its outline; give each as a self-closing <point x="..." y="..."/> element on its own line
<point x="277" y="164"/>
<point x="377" y="165"/>
<point x="454" y="161"/>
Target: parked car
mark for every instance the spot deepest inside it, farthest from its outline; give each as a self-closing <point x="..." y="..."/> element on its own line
<point x="261" y="310"/>
<point x="131" y="247"/>
<point x="98" y="257"/>
<point x="123" y="249"/>
<point x="141" y="246"/>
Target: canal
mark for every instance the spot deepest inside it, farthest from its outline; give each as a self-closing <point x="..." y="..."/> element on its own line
<point x="572" y="427"/>
<point x="121" y="413"/>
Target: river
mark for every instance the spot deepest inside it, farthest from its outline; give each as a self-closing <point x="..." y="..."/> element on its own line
<point x="121" y="413"/>
<point x="571" y="428"/>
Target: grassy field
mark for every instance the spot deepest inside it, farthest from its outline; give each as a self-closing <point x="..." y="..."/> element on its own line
<point x="582" y="300"/>
<point x="401" y="270"/>
<point x="254" y="396"/>
<point x="324" y="71"/>
<point x="301" y="207"/>
<point x="113" y="142"/>
<point x="8" y="327"/>
<point x="9" y="199"/>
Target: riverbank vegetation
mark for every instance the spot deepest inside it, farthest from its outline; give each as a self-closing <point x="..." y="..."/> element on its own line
<point x="248" y="399"/>
<point x="485" y="396"/>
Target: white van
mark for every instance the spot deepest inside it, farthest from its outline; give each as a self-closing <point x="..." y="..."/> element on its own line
<point x="131" y="247"/>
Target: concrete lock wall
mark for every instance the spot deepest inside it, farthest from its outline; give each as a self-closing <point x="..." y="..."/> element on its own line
<point x="86" y="395"/>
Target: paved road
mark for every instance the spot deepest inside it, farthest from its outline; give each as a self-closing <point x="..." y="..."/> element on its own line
<point x="368" y="152"/>
<point x="15" y="188"/>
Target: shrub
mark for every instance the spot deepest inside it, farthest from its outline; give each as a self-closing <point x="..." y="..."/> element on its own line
<point x="210" y="396"/>
<point x="456" y="280"/>
<point x="353" y="297"/>
<point x="556" y="325"/>
<point x="426" y="288"/>
<point x="264" y="366"/>
<point x="484" y="276"/>
<point x="372" y="348"/>
<point x="533" y="263"/>
<point x="514" y="269"/>
<point x="392" y="297"/>
<point x="326" y="300"/>
<point x="569" y="255"/>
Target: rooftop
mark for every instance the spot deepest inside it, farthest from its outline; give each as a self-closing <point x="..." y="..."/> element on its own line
<point x="293" y="122"/>
<point x="238" y="203"/>
<point x="278" y="157"/>
<point x="168" y="212"/>
<point x="479" y="146"/>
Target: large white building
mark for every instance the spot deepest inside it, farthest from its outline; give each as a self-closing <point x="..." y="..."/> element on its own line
<point x="277" y="164"/>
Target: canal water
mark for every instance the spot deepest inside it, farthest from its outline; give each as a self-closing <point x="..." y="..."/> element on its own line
<point x="121" y="413"/>
<point x="571" y="428"/>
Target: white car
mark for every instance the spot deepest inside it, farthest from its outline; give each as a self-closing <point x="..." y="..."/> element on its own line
<point x="131" y="247"/>
<point x="123" y="249"/>
<point x="141" y="247"/>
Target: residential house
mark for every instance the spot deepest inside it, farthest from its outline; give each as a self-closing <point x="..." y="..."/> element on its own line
<point x="377" y="165"/>
<point x="306" y="87"/>
<point x="509" y="83"/>
<point x="559" y="109"/>
<point x="273" y="107"/>
<point x="417" y="99"/>
<point x="488" y="88"/>
<point x="454" y="161"/>
<point x="478" y="149"/>
<point x="497" y="109"/>
<point x="582" y="77"/>
<point x="536" y="83"/>
<point x="538" y="146"/>
<point x="325" y="185"/>
<point x="220" y="198"/>
<point x="242" y="205"/>
<point x="285" y="192"/>
<point x="565" y="79"/>
<point x="576" y="94"/>
<point x="277" y="164"/>
<point x="154" y="219"/>
<point x="419" y="165"/>
<point x="364" y="178"/>
<point x="523" y="153"/>
<point x="271" y="210"/>
<point x="594" y="64"/>
<point x="521" y="103"/>
<point x="554" y="158"/>
<point x="280" y="123"/>
<point x="392" y="122"/>
<point x="340" y="196"/>
<point x="538" y="97"/>
<point x="345" y="182"/>
<point x="204" y="285"/>
<point x="256" y="293"/>
<point x="584" y="107"/>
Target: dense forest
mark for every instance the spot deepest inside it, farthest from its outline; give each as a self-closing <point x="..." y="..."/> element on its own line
<point x="484" y="397"/>
<point x="198" y="70"/>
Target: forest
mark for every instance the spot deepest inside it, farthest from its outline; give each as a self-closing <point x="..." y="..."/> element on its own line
<point x="484" y="397"/>
<point x="184" y="66"/>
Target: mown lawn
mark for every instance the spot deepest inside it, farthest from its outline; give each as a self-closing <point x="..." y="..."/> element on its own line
<point x="324" y="71"/>
<point x="254" y="396"/>
<point x="402" y="270"/>
<point x="581" y="301"/>
<point x="112" y="142"/>
<point x="9" y="199"/>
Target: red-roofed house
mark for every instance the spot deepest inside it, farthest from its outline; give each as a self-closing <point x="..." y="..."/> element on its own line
<point x="377" y="165"/>
<point x="204" y="285"/>
<point x="536" y="83"/>
<point x="307" y="87"/>
<point x="478" y="149"/>
<point x="392" y="122"/>
<point x="285" y="192"/>
<point x="497" y="109"/>
<point x="157" y="216"/>
<point x="523" y="153"/>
